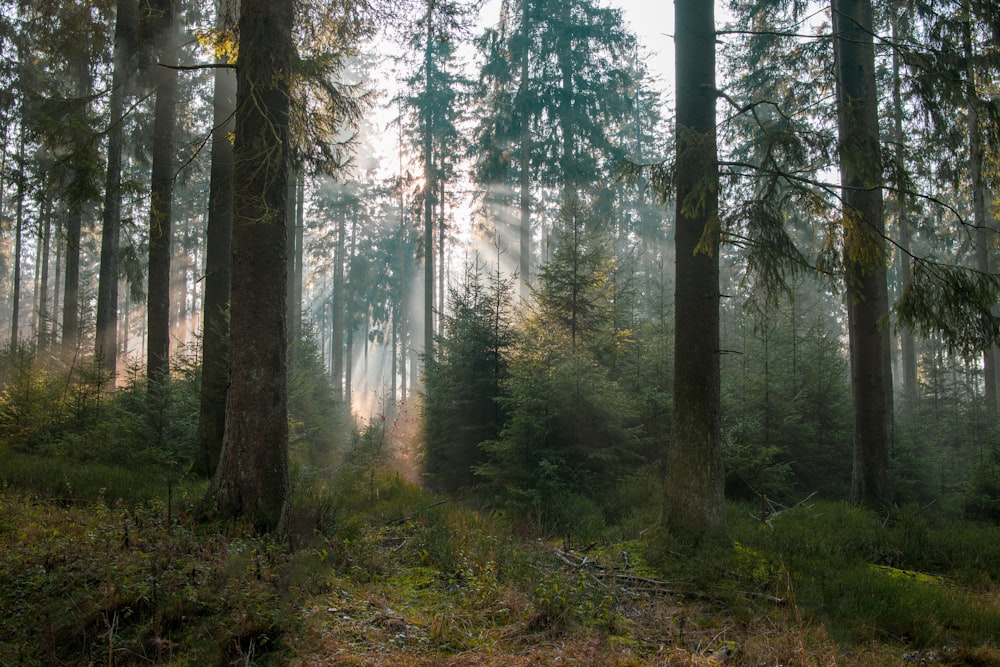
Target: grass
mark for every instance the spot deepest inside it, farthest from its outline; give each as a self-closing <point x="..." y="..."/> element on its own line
<point x="395" y="576"/>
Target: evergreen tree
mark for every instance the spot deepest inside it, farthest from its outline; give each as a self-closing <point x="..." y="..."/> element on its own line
<point x="252" y="476"/>
<point x="218" y="259"/>
<point x="571" y="431"/>
<point x="126" y="31"/>
<point x="163" y="17"/>
<point x="463" y="382"/>
<point x="864" y="251"/>
<point x="557" y="88"/>
<point x="695" y="477"/>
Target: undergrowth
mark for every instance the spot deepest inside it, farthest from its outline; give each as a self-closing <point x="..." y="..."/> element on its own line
<point x="392" y="575"/>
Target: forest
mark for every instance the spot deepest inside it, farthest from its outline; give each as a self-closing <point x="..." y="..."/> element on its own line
<point x="467" y="333"/>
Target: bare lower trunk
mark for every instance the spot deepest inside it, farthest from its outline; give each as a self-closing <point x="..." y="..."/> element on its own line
<point x="218" y="271"/>
<point x="252" y="476"/>
<point x="694" y="485"/>
<point x="107" y="288"/>
<point x="864" y="252"/>
<point x="160" y="209"/>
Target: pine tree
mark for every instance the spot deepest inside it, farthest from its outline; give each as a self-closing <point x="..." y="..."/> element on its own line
<point x="252" y="476"/>
<point x="464" y="381"/>
<point x="694" y="482"/>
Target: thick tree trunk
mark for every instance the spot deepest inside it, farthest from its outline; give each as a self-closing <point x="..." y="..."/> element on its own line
<point x="695" y="478"/>
<point x="252" y="477"/>
<point x="218" y="272"/>
<point x="71" y="283"/>
<point x="160" y="205"/>
<point x="864" y="250"/>
<point x="107" y="287"/>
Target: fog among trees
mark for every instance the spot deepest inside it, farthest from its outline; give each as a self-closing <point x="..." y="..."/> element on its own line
<point x="260" y="244"/>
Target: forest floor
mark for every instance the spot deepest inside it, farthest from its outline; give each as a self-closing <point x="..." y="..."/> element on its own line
<point x="403" y="578"/>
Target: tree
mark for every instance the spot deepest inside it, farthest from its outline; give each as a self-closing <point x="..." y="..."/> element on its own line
<point x="433" y="103"/>
<point x="163" y="15"/>
<point x="570" y="431"/>
<point x="864" y="250"/>
<point x="107" y="295"/>
<point x="694" y="486"/>
<point x="557" y="88"/>
<point x="463" y="382"/>
<point x="218" y="261"/>
<point x="252" y="477"/>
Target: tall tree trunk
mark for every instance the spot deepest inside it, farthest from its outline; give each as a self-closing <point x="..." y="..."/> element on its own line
<point x="430" y="190"/>
<point x="15" y="293"/>
<point x="71" y="282"/>
<point x="300" y="231"/>
<point x="56" y="283"/>
<point x="404" y="311"/>
<point x="44" y="312"/>
<point x="160" y="205"/>
<point x="908" y="355"/>
<point x="441" y="277"/>
<point x="984" y="234"/>
<point x="337" y="346"/>
<point x="294" y="231"/>
<point x="107" y="288"/>
<point x="525" y="155"/>
<point x="218" y="269"/>
<point x="35" y="306"/>
<point x="252" y="476"/>
<point x="695" y="477"/>
<point x="864" y="250"/>
<point x="349" y="361"/>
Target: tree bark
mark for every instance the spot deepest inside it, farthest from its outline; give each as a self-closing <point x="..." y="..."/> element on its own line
<point x="694" y="478"/>
<point x="524" y="235"/>
<point x="295" y="201"/>
<point x="430" y="191"/>
<point x="218" y="272"/>
<point x="864" y="250"/>
<point x="15" y="293"/>
<point x="44" y="311"/>
<point x="984" y="235"/>
<point x="160" y="205"/>
<point x="337" y="344"/>
<point x="107" y="287"/>
<point x="908" y="355"/>
<point x="252" y="477"/>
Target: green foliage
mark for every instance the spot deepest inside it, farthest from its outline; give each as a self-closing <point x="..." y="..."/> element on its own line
<point x="753" y="470"/>
<point x="571" y="433"/>
<point x="79" y="584"/>
<point x="944" y="437"/>
<point x="877" y="579"/>
<point x="953" y="301"/>
<point x="464" y="379"/>
<point x="318" y="424"/>
<point x="48" y="411"/>
<point x="982" y="500"/>
<point x="787" y="407"/>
